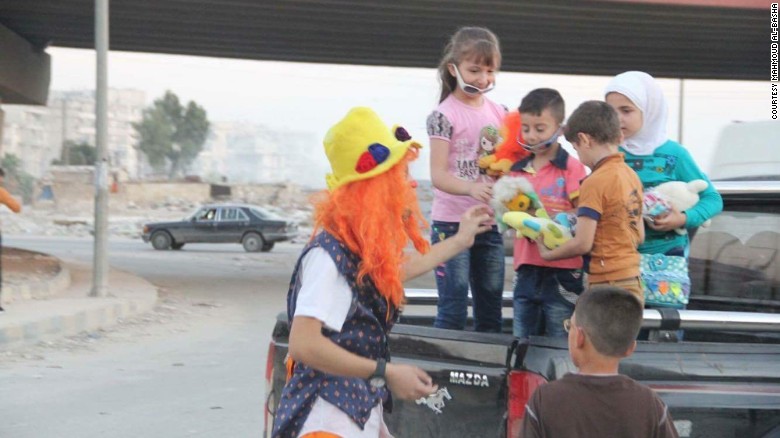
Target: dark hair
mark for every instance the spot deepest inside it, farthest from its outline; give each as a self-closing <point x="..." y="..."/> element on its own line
<point x="542" y="98"/>
<point x="467" y="42"/>
<point x="2" y="172"/>
<point x="611" y="317"/>
<point x="595" y="118"/>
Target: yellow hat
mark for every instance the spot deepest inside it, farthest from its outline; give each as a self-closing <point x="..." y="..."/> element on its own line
<point x="361" y="146"/>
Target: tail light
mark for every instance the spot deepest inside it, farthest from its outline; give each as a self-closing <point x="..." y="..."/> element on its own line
<point x="269" y="390"/>
<point x="521" y="386"/>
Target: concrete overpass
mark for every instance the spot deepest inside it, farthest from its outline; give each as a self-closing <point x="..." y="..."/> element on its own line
<point x="662" y="37"/>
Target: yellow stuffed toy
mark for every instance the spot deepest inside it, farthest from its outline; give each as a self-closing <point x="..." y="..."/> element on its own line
<point x="554" y="235"/>
<point x="513" y="193"/>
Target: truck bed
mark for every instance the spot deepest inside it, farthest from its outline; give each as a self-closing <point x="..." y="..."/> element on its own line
<point x="712" y="388"/>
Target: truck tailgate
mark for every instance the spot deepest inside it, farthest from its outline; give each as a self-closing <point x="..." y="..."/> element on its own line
<point x="470" y="370"/>
<point x="712" y="389"/>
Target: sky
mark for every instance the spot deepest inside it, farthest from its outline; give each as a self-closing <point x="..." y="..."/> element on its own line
<point x="312" y="97"/>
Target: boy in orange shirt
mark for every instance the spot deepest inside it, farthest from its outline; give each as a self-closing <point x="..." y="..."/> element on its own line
<point x="609" y="214"/>
<point x="13" y="204"/>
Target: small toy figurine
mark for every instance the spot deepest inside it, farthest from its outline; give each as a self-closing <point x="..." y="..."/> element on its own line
<point x="508" y="151"/>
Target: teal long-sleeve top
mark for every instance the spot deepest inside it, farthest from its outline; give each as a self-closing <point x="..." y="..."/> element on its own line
<point x="672" y="162"/>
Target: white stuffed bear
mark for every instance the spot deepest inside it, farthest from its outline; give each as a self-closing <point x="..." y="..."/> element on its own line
<point x="680" y="195"/>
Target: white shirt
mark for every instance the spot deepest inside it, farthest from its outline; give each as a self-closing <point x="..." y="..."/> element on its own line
<point x="326" y="296"/>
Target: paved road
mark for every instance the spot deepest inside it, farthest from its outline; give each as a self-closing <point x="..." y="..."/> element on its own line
<point x="193" y="368"/>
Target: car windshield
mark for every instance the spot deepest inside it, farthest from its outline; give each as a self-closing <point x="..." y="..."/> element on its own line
<point x="202" y="213"/>
<point x="265" y="214"/>
<point x="192" y="214"/>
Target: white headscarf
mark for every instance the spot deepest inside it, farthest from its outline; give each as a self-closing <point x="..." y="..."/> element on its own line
<point x="647" y="95"/>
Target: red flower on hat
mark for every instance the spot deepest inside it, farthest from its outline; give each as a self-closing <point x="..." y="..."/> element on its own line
<point x="376" y="154"/>
<point x="365" y="163"/>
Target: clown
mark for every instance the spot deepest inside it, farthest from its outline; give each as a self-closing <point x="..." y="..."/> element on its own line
<point x="346" y="289"/>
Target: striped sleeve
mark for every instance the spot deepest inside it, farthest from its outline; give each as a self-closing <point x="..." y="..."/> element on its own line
<point x="439" y="126"/>
<point x="591" y="200"/>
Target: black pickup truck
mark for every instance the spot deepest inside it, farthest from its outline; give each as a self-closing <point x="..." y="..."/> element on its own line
<point x="722" y="380"/>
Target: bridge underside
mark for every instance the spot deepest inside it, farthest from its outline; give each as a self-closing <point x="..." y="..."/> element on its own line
<point x="550" y="36"/>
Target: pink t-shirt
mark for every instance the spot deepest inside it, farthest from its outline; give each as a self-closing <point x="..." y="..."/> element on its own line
<point x="472" y="132"/>
<point x="557" y="184"/>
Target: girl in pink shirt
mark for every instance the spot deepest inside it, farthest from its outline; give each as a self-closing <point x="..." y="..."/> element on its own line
<point x="462" y="129"/>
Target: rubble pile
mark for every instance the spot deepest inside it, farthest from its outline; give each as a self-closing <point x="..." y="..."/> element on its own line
<point x="127" y="219"/>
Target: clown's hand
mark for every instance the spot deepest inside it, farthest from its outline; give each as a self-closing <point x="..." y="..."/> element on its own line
<point x="475" y="220"/>
<point x="408" y="382"/>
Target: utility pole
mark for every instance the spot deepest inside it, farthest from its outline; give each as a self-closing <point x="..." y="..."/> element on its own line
<point x="680" y="115"/>
<point x="65" y="149"/>
<point x="100" y="261"/>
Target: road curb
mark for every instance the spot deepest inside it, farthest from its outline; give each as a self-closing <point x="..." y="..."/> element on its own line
<point x="37" y="290"/>
<point x="31" y="321"/>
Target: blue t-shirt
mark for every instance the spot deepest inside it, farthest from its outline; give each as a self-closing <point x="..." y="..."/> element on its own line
<point x="672" y="162"/>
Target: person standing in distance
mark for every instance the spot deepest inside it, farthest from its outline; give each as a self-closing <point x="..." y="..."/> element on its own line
<point x="9" y="201"/>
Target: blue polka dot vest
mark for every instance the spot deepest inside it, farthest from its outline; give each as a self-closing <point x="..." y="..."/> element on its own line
<point x="364" y="333"/>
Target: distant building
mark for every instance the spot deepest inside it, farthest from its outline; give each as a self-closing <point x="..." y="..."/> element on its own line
<point x="26" y="135"/>
<point x="234" y="151"/>
<point x="244" y="152"/>
<point x="77" y="110"/>
<point x="37" y="134"/>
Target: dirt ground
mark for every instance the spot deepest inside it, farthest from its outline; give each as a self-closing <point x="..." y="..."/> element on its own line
<point x="19" y="264"/>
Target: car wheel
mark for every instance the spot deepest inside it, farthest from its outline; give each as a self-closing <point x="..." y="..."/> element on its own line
<point x="267" y="246"/>
<point x="253" y="242"/>
<point x="161" y="240"/>
<point x="177" y="246"/>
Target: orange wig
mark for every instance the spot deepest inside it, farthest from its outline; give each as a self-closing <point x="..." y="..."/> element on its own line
<point x="376" y="218"/>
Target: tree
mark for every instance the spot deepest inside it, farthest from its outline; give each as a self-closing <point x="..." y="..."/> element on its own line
<point x="170" y="134"/>
<point x="78" y="154"/>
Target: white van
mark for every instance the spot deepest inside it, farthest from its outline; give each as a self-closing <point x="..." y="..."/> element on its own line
<point x="747" y="151"/>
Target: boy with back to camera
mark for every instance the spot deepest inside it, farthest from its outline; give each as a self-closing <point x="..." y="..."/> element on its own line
<point x="597" y="401"/>
<point x="609" y="213"/>
<point x="545" y="291"/>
